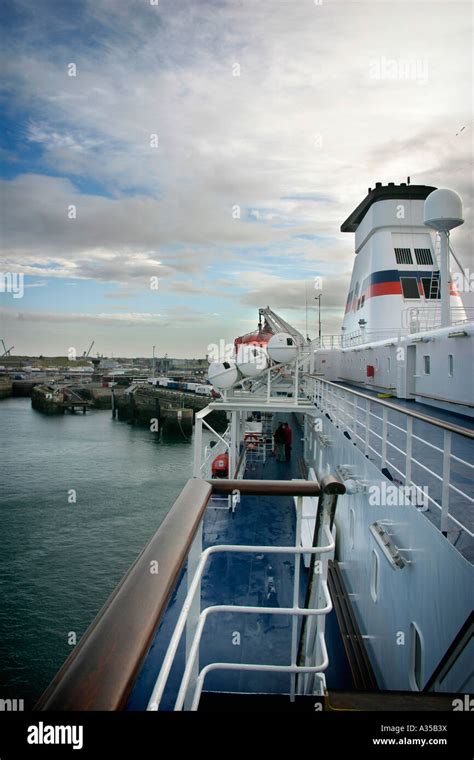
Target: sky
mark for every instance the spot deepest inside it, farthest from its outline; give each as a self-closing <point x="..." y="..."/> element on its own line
<point x="167" y="167"/>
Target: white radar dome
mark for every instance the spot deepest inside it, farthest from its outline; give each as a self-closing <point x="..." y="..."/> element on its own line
<point x="282" y="348"/>
<point x="443" y="210"/>
<point x="251" y="360"/>
<point x="224" y="374"/>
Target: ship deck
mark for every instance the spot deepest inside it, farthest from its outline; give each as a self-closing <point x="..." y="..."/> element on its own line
<point x="249" y="579"/>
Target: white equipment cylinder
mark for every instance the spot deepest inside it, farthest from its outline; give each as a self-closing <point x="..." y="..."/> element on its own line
<point x="282" y="348"/>
<point x="443" y="210"/>
<point x="251" y="360"/>
<point x="224" y="374"/>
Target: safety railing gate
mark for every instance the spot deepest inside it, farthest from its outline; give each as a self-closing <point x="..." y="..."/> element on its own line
<point x="101" y="671"/>
<point x="309" y="657"/>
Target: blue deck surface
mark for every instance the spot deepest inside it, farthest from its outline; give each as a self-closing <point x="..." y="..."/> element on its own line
<point x="246" y="579"/>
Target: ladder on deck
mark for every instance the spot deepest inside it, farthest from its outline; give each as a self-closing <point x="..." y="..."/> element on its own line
<point x="434" y="280"/>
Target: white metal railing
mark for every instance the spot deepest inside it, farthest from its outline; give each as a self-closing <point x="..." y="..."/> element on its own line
<point x="420" y="319"/>
<point x="358" y="337"/>
<point x="255" y="448"/>
<point x="211" y="452"/>
<point x="415" y="319"/>
<point x="278" y="378"/>
<point x="191" y="617"/>
<point x="367" y="421"/>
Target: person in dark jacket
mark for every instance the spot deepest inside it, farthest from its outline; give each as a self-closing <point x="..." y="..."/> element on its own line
<point x="279" y="439"/>
<point x="288" y="439"/>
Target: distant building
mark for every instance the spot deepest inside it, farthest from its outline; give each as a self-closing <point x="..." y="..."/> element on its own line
<point x="109" y="364"/>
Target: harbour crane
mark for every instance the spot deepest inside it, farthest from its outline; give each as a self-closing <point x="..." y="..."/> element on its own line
<point x="85" y="355"/>
<point x="6" y="351"/>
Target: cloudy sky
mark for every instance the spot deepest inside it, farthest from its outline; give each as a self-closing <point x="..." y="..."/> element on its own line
<point x="167" y="168"/>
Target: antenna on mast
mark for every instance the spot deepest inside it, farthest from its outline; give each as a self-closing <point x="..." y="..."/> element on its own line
<point x="306" y="305"/>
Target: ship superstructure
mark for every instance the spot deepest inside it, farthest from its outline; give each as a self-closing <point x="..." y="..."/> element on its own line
<point x="405" y="332"/>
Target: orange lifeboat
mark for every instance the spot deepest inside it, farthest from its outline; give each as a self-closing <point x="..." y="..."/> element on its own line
<point x="220" y="466"/>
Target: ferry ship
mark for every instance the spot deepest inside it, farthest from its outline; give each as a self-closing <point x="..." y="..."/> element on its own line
<point x="339" y="576"/>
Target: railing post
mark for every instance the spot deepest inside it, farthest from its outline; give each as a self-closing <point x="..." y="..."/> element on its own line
<point x="234" y="441"/>
<point x="296" y="590"/>
<point x="297" y="377"/>
<point x="384" y="436"/>
<point x="408" y="455"/>
<point x="194" y="557"/>
<point x="367" y="427"/>
<point x="446" y="478"/>
<point x="317" y="573"/>
<point x="197" y="446"/>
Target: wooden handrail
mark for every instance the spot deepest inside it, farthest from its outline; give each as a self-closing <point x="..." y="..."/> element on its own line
<point x="100" y="672"/>
<point x="267" y="487"/>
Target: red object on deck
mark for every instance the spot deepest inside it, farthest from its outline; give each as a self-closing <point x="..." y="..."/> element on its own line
<point x="256" y="338"/>
<point x="370" y="370"/>
<point x="220" y="466"/>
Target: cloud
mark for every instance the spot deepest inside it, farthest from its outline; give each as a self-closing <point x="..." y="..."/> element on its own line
<point x="294" y="294"/>
<point x="290" y="145"/>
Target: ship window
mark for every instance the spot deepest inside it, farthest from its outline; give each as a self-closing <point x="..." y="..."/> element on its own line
<point x="450" y="365"/>
<point x="416" y="670"/>
<point x="431" y="286"/>
<point x="403" y="256"/>
<point x="388" y="364"/>
<point x="356" y="295"/>
<point x="410" y="287"/>
<point x="423" y="256"/>
<point x="427" y="365"/>
<point x="374" y="580"/>
<point x="362" y="300"/>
